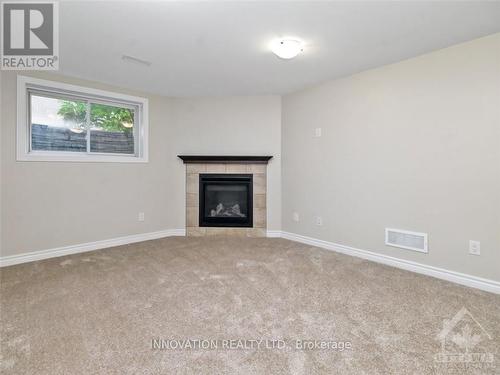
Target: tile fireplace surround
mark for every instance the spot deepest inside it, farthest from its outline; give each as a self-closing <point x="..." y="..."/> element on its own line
<point x="255" y="165"/>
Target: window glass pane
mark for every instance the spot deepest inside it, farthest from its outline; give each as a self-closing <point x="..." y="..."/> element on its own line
<point x="57" y="124"/>
<point x="111" y="129"/>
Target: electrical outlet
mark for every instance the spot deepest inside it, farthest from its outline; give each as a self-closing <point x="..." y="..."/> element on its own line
<point x="295" y="216"/>
<point x="140" y="217"/>
<point x="317" y="132"/>
<point x="474" y="247"/>
<point x="319" y="220"/>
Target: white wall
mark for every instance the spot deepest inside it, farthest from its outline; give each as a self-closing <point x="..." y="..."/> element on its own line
<point x="413" y="145"/>
<point x="53" y="204"/>
<point x="1" y="147"/>
<point x="244" y="125"/>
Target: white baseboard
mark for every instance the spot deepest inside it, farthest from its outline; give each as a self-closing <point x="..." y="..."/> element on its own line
<point x="88" y="246"/>
<point x="273" y="233"/>
<point x="440" y="273"/>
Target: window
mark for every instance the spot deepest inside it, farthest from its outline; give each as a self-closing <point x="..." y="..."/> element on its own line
<point x="60" y="122"/>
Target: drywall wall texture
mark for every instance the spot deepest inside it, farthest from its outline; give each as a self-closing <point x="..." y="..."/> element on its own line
<point x="1" y="147"/>
<point x="413" y="145"/>
<point x="52" y="204"/>
<point x="240" y="125"/>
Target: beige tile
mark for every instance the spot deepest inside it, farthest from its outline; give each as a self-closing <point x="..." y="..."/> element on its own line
<point x="196" y="168"/>
<point x="259" y="217"/>
<point x="192" y="217"/>
<point x="256" y="232"/>
<point x="259" y="200"/>
<point x="216" y="231"/>
<point x="229" y="232"/>
<point x="241" y="232"/>
<point x="192" y="199"/>
<point x="216" y="168"/>
<point x="257" y="168"/>
<point x="192" y="183"/>
<point x="259" y="183"/>
<point x="195" y="232"/>
<point x="236" y="168"/>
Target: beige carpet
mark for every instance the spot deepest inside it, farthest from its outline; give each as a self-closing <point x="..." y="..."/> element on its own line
<point x="98" y="313"/>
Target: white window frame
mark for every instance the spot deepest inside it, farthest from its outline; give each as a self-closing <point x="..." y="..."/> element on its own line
<point x="24" y="152"/>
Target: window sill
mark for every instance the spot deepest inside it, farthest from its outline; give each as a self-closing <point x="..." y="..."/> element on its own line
<point x="50" y="157"/>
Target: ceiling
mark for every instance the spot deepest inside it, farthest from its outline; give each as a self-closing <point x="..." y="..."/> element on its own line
<point x="222" y="48"/>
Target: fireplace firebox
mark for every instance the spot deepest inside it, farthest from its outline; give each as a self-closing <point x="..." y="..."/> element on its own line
<point x="226" y="200"/>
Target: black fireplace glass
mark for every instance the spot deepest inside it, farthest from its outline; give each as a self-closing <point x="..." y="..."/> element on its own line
<point x="226" y="200"/>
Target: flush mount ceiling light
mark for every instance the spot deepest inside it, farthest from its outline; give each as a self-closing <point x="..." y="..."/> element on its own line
<point x="287" y="48"/>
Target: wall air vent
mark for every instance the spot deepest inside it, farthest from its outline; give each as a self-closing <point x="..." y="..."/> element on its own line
<point x="406" y="239"/>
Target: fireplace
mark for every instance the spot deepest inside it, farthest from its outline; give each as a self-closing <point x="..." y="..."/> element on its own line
<point x="226" y="200"/>
<point x="226" y="195"/>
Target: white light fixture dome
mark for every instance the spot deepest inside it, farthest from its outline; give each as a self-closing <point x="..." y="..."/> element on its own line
<point x="287" y="48"/>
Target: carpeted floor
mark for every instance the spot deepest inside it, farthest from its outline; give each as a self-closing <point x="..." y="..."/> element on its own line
<point x="99" y="312"/>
